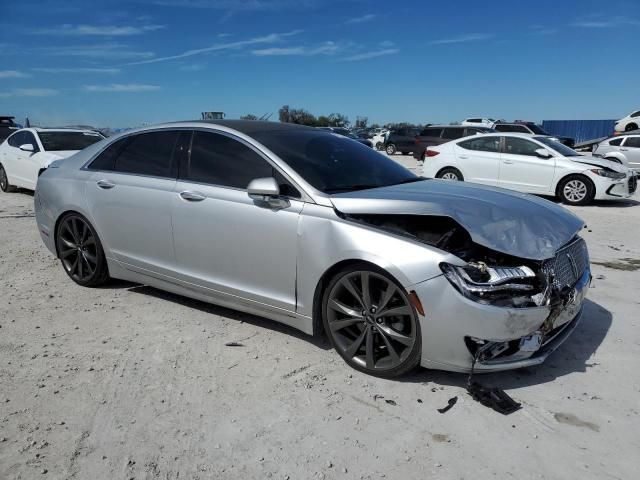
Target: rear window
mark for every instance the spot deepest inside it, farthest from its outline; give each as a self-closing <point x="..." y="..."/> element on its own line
<point x="453" y="133"/>
<point x="482" y="144"/>
<point x="616" y="142"/>
<point x="59" y="141"/>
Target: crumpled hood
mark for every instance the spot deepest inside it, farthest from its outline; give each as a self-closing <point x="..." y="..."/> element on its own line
<point x="509" y="222"/>
<point x="599" y="162"/>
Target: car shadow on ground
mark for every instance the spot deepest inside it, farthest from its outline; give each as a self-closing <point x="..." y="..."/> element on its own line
<point x="574" y="355"/>
<point x="213" y="309"/>
<point x="622" y="203"/>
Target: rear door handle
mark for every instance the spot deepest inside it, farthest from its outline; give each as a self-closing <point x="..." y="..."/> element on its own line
<point x="105" y="184"/>
<point x="192" y="196"/>
<point x="463" y="156"/>
<point x="508" y="162"/>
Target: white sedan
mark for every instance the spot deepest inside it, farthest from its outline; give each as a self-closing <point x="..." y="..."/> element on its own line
<point x="27" y="152"/>
<point x="530" y="164"/>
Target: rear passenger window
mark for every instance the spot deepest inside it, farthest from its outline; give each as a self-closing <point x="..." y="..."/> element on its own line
<point x="453" y="133"/>
<point x="107" y="159"/>
<point x="220" y="160"/>
<point x="616" y="142"/>
<point x="482" y="144"/>
<point x="148" y="154"/>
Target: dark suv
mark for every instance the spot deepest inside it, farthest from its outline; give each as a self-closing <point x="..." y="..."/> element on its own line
<point x="401" y="140"/>
<point x="7" y="127"/>
<point x="437" y="134"/>
<point x="532" y="129"/>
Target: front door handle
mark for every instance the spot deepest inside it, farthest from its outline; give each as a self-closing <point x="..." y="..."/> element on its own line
<point x="192" y="196"/>
<point x="463" y="156"/>
<point x="508" y="162"/>
<point x="105" y="184"/>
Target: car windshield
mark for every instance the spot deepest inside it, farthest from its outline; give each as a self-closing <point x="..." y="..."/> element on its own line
<point x="558" y="147"/>
<point x="333" y="164"/>
<point x="59" y="141"/>
<point x="537" y="129"/>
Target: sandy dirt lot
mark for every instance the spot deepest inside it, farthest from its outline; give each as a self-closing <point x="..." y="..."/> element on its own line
<point x="128" y="382"/>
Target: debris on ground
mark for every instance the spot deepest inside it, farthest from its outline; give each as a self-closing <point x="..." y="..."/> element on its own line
<point x="493" y="398"/>
<point x="452" y="401"/>
<point x="234" y="344"/>
<point x="391" y="402"/>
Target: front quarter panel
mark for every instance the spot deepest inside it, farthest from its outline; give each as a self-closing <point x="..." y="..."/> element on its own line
<point x="325" y="240"/>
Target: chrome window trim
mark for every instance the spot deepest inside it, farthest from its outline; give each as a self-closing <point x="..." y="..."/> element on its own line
<point x="305" y="197"/>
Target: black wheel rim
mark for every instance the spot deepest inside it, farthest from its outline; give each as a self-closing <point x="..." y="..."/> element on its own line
<point x="371" y="321"/>
<point x="77" y="248"/>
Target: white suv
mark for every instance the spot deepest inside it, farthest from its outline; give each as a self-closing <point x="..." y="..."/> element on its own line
<point x="478" y="122"/>
<point x="630" y="122"/>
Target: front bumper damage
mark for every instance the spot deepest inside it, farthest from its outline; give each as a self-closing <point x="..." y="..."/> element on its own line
<point x="457" y="330"/>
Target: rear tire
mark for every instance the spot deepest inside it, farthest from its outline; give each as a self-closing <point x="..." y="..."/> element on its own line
<point x="5" y="186"/>
<point x="576" y="190"/>
<point x="379" y="146"/>
<point x="376" y="330"/>
<point x="390" y="149"/>
<point x="80" y="251"/>
<point x="631" y="126"/>
<point x="450" y="173"/>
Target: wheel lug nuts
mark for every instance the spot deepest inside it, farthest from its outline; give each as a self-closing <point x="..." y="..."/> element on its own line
<point x="379" y="320"/>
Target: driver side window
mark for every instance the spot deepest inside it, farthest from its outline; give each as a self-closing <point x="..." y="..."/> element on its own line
<point x="16" y="139"/>
<point x="29" y="138"/>
<point x="520" y="146"/>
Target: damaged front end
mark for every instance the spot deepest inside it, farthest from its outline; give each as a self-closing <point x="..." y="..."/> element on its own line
<point x="490" y="278"/>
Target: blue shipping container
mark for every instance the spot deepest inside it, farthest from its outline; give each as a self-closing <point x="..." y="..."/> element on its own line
<point x="581" y="130"/>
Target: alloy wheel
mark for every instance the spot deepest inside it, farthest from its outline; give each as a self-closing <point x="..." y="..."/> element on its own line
<point x="371" y="321"/>
<point x="575" y="191"/>
<point x="450" y="176"/>
<point x="77" y="248"/>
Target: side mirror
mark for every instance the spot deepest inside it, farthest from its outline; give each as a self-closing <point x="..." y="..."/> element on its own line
<point x="27" y="147"/>
<point x="543" y="153"/>
<point x="263" y="188"/>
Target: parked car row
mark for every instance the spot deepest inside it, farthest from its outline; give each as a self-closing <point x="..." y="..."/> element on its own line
<point x="325" y="234"/>
<point x="26" y="153"/>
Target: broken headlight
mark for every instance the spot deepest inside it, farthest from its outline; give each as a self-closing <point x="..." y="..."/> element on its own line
<point x="605" y="172"/>
<point x="497" y="285"/>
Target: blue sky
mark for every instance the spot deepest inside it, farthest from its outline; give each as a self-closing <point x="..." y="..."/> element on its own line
<point x="122" y="63"/>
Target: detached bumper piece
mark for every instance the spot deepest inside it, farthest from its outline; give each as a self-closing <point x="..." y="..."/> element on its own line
<point x="493" y="398"/>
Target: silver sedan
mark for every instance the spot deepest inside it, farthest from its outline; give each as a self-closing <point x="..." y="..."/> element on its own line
<point x="319" y="232"/>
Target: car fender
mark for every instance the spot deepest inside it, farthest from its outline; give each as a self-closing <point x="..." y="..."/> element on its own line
<point x="616" y="156"/>
<point x="330" y="240"/>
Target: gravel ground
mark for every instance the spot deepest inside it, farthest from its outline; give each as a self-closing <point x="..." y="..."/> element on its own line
<point x="128" y="382"/>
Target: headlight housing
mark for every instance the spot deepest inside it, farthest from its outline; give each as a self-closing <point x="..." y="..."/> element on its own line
<point x="516" y="286"/>
<point x="603" y="172"/>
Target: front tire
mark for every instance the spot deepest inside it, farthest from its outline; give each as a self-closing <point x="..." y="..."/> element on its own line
<point x="390" y="149"/>
<point x="379" y="146"/>
<point x="5" y="186"/>
<point x="370" y="322"/>
<point x="576" y="190"/>
<point x="80" y="251"/>
<point x="450" y="173"/>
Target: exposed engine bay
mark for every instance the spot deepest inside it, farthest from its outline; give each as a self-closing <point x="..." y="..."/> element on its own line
<point x="490" y="277"/>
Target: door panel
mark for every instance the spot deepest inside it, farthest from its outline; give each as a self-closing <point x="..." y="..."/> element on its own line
<point x="479" y="159"/>
<point x="631" y="150"/>
<point x="132" y="215"/>
<point x="522" y="170"/>
<point x="233" y="244"/>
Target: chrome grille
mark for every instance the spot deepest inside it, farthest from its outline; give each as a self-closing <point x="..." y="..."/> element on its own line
<point x="569" y="264"/>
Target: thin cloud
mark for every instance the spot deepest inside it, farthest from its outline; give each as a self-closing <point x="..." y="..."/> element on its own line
<point x="113" y="51"/>
<point x="29" y="92"/>
<point x="470" y="37"/>
<point x="271" y="38"/>
<point x="98" y="30"/>
<point x="594" y="21"/>
<point x="541" y="30"/>
<point x="120" y="87"/>
<point x="368" y="55"/>
<point x="241" y="5"/>
<point x="194" y="67"/>
<point x="327" y="48"/>
<point x="13" y="74"/>
<point x="361" y="19"/>
<point x="108" y="71"/>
